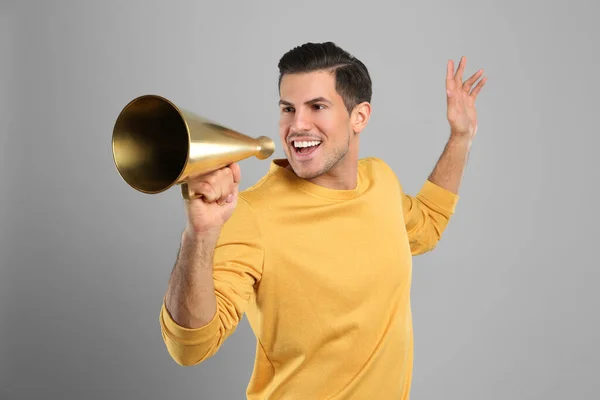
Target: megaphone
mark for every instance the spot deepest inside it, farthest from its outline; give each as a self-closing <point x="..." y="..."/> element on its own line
<point x="157" y="145"/>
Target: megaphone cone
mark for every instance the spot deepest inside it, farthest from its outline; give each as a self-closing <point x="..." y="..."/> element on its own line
<point x="157" y="145"/>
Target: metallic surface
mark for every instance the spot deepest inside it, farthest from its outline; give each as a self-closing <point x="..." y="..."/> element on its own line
<point x="157" y="145"/>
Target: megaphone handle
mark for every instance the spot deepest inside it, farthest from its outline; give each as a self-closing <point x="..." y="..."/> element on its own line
<point x="185" y="192"/>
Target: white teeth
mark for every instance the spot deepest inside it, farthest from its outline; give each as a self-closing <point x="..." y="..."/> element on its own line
<point x="306" y="144"/>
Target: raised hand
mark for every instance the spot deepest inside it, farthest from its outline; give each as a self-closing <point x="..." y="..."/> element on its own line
<point x="461" y="97"/>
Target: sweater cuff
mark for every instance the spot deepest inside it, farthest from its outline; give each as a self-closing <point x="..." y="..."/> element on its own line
<point x="188" y="336"/>
<point x="442" y="199"/>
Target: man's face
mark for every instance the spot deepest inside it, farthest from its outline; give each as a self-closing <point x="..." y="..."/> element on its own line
<point x="314" y="124"/>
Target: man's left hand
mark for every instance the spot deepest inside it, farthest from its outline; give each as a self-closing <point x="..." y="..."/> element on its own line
<point x="461" y="97"/>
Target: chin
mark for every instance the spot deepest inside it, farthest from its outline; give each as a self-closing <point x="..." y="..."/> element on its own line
<point x="308" y="170"/>
<point x="307" y="174"/>
<point x="319" y="164"/>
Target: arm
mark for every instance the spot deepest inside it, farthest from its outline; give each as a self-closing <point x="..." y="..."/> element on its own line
<point x="428" y="214"/>
<point x="462" y="118"/>
<point x="190" y="298"/>
<point x="449" y="170"/>
<point x="210" y="286"/>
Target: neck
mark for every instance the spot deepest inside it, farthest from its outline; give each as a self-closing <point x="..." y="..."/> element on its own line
<point x="343" y="176"/>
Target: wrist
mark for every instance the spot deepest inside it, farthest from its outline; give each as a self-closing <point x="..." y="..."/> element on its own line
<point x="460" y="140"/>
<point x="208" y="236"/>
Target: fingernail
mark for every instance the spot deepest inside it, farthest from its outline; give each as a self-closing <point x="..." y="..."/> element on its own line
<point x="230" y="198"/>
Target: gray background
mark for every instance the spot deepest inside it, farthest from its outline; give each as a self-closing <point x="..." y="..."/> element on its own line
<point x="504" y="308"/>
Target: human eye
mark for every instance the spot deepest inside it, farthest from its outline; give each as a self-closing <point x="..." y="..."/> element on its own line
<point x="318" y="107"/>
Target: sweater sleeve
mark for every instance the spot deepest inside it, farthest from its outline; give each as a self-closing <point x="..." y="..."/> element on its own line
<point x="426" y="216"/>
<point x="237" y="268"/>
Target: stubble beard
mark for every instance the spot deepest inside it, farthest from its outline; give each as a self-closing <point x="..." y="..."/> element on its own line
<point x="331" y="160"/>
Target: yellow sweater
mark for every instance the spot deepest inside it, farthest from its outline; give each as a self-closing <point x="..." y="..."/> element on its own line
<point x="324" y="278"/>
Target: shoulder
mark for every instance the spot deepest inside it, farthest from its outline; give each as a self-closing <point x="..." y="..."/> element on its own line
<point x="379" y="172"/>
<point x="258" y="193"/>
<point x="375" y="165"/>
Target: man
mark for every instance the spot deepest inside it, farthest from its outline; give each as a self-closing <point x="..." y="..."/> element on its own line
<point x="318" y="252"/>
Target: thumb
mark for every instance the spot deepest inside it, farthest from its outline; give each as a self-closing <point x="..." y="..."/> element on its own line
<point x="449" y="97"/>
<point x="453" y="97"/>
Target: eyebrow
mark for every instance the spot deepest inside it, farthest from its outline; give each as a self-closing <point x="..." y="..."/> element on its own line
<point x="309" y="102"/>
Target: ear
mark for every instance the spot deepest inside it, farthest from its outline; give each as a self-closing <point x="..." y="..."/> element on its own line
<point x="360" y="116"/>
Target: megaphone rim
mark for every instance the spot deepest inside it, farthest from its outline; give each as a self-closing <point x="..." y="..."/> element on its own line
<point x="187" y="130"/>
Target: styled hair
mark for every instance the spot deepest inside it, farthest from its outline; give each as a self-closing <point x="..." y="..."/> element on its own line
<point x="352" y="80"/>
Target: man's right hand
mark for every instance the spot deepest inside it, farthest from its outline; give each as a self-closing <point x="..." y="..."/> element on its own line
<point x="219" y="190"/>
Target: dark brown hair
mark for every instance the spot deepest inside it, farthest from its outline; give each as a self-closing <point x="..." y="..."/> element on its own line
<point x="352" y="80"/>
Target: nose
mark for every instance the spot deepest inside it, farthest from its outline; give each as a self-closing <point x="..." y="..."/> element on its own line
<point x="301" y="122"/>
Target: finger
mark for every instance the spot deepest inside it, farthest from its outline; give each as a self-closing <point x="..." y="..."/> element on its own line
<point x="232" y="197"/>
<point x="207" y="191"/>
<point x="226" y="192"/>
<point x="469" y="82"/>
<point x="223" y="183"/>
<point x="460" y="70"/>
<point x="237" y="174"/>
<point x="449" y="75"/>
<point x="478" y="87"/>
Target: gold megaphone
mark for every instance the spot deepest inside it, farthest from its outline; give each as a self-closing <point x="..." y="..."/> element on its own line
<point x="157" y="145"/>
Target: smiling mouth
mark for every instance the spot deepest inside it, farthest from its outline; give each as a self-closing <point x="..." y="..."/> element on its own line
<point x="305" y="146"/>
